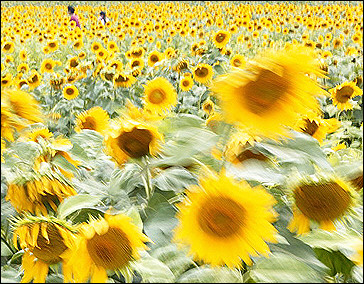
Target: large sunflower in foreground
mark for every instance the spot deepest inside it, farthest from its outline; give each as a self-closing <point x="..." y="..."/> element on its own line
<point x="271" y="92"/>
<point x="105" y="244"/>
<point x="224" y="221"/>
<point x="342" y="94"/>
<point x="37" y="192"/>
<point x="159" y="95"/>
<point x="44" y="239"/>
<point x="322" y="200"/>
<point x="131" y="138"/>
<point x="95" y="119"/>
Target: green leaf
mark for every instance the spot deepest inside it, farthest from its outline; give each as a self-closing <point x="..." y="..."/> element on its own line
<point x="9" y="274"/>
<point x="205" y="274"/>
<point x="284" y="268"/>
<point x="153" y="270"/>
<point x="174" y="179"/>
<point x="76" y="202"/>
<point x="336" y="261"/>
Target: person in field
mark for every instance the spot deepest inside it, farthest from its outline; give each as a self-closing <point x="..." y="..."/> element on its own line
<point x="103" y="19"/>
<point x="74" y="17"/>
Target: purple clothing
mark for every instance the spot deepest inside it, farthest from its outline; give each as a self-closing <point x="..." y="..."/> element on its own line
<point x="74" y="17"/>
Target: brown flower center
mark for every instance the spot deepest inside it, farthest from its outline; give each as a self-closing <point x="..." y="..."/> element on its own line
<point x="185" y="83"/>
<point x="201" y="72"/>
<point x="70" y="91"/>
<point x="310" y="127"/>
<point x="220" y="37"/>
<point x="262" y="94"/>
<point x="89" y="123"/>
<point x="48" y="66"/>
<point x="136" y="142"/>
<point x="52" y="44"/>
<point x="7" y="46"/>
<point x="154" y="58"/>
<point x="221" y="217"/>
<point x="157" y="96"/>
<point x="322" y="202"/>
<point x="135" y="63"/>
<point x="236" y="62"/>
<point x="49" y="251"/>
<point x="344" y="94"/>
<point x="111" y="250"/>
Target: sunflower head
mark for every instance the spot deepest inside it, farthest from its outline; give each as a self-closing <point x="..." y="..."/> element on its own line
<point x="224" y="221"/>
<point x="321" y="200"/>
<point x="109" y="243"/>
<point x="342" y="94"/>
<point x="186" y="83"/>
<point x="159" y="95"/>
<point x="70" y="92"/>
<point x="221" y="38"/>
<point x="154" y="57"/>
<point x="123" y="80"/>
<point x="238" y="61"/>
<point x="94" y="119"/>
<point x="203" y="73"/>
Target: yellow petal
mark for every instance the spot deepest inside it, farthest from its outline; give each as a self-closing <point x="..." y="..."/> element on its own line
<point x="99" y="275"/>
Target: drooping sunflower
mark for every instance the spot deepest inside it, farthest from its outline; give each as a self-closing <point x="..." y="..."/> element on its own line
<point x="44" y="239"/>
<point x="257" y="97"/>
<point x="109" y="243"/>
<point x="136" y="63"/>
<point x="47" y="66"/>
<point x="159" y="95"/>
<point x="238" y="61"/>
<point x="203" y="73"/>
<point x="117" y="65"/>
<point x="224" y="221"/>
<point x="321" y="200"/>
<point x="131" y="138"/>
<point x="123" y="80"/>
<point x="221" y="38"/>
<point x="34" y="79"/>
<point x="70" y="92"/>
<point x="23" y="68"/>
<point x="95" y="118"/>
<point x="37" y="192"/>
<point x="342" y="94"/>
<point x="186" y="83"/>
<point x="38" y="133"/>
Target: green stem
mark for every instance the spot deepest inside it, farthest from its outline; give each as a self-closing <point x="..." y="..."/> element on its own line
<point x="7" y="244"/>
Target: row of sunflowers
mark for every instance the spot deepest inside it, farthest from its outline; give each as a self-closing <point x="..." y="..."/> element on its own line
<point x="182" y="142"/>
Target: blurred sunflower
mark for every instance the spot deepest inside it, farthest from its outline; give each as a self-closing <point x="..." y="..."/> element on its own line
<point x="208" y="106"/>
<point x="257" y="97"/>
<point x="109" y="243"/>
<point x="238" y="61"/>
<point x="95" y="119"/>
<point x="70" y="92"/>
<point x="23" y="55"/>
<point x="136" y="63"/>
<point x="6" y="80"/>
<point x="224" y="221"/>
<point x="73" y="62"/>
<point x="78" y="44"/>
<point x="96" y="46"/>
<point x="23" y="68"/>
<point x="159" y="95"/>
<point x="123" y="80"/>
<point x="37" y="193"/>
<point x="44" y="239"/>
<point x="130" y="138"/>
<point x="8" y="47"/>
<point x="186" y="83"/>
<point x="203" y="73"/>
<point x="342" y="94"/>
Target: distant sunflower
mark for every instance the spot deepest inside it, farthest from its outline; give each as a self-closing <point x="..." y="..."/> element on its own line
<point x="137" y="63"/>
<point x="221" y="38"/>
<point x="23" y="55"/>
<point x="323" y="201"/>
<point x="70" y="92"/>
<point x="78" y="44"/>
<point x="44" y="240"/>
<point x="203" y="73"/>
<point x="34" y="79"/>
<point x="342" y="94"/>
<point x="208" y="106"/>
<point x="95" y="119"/>
<point x="47" y="66"/>
<point x="123" y="80"/>
<point x="52" y="45"/>
<point x="23" y="68"/>
<point x="112" y="47"/>
<point x="224" y="221"/>
<point x="134" y="139"/>
<point x="159" y="95"/>
<point x="8" y="47"/>
<point x="257" y="97"/>
<point x="38" y="193"/>
<point x="73" y="62"/>
<point x="96" y="46"/>
<point x="154" y="57"/>
<point x="238" y="61"/>
<point x="117" y="65"/>
<point x="103" y="244"/>
<point x="102" y="54"/>
<point x="6" y="80"/>
<point x="186" y="83"/>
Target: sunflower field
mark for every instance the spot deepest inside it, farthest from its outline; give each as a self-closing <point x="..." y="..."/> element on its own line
<point x="184" y="141"/>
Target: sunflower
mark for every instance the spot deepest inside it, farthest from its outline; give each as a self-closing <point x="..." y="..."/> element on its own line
<point x="224" y="221"/>
<point x="203" y="73"/>
<point x="159" y="95"/>
<point x="320" y="199"/>
<point x="131" y="138"/>
<point x="181" y="66"/>
<point x="109" y="243"/>
<point x="342" y="94"/>
<point x="8" y="47"/>
<point x="70" y="92"/>
<point x="186" y="83"/>
<point x="208" y="106"/>
<point x="34" y="79"/>
<point x="6" y="80"/>
<point x="82" y="55"/>
<point x="23" y="55"/>
<point x="116" y="64"/>
<point x="35" y="192"/>
<point x="112" y="47"/>
<point x="221" y="38"/>
<point x="47" y="66"/>
<point x="44" y="239"/>
<point x="123" y="80"/>
<point x="137" y="63"/>
<point x="78" y="44"/>
<point x="22" y="68"/>
<point x="238" y="61"/>
<point x="38" y="133"/>
<point x="52" y="45"/>
<point x="95" y="119"/>
<point x="257" y="97"/>
<point x="154" y="57"/>
<point x="73" y="62"/>
<point x="96" y="46"/>
<point x="102" y="54"/>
